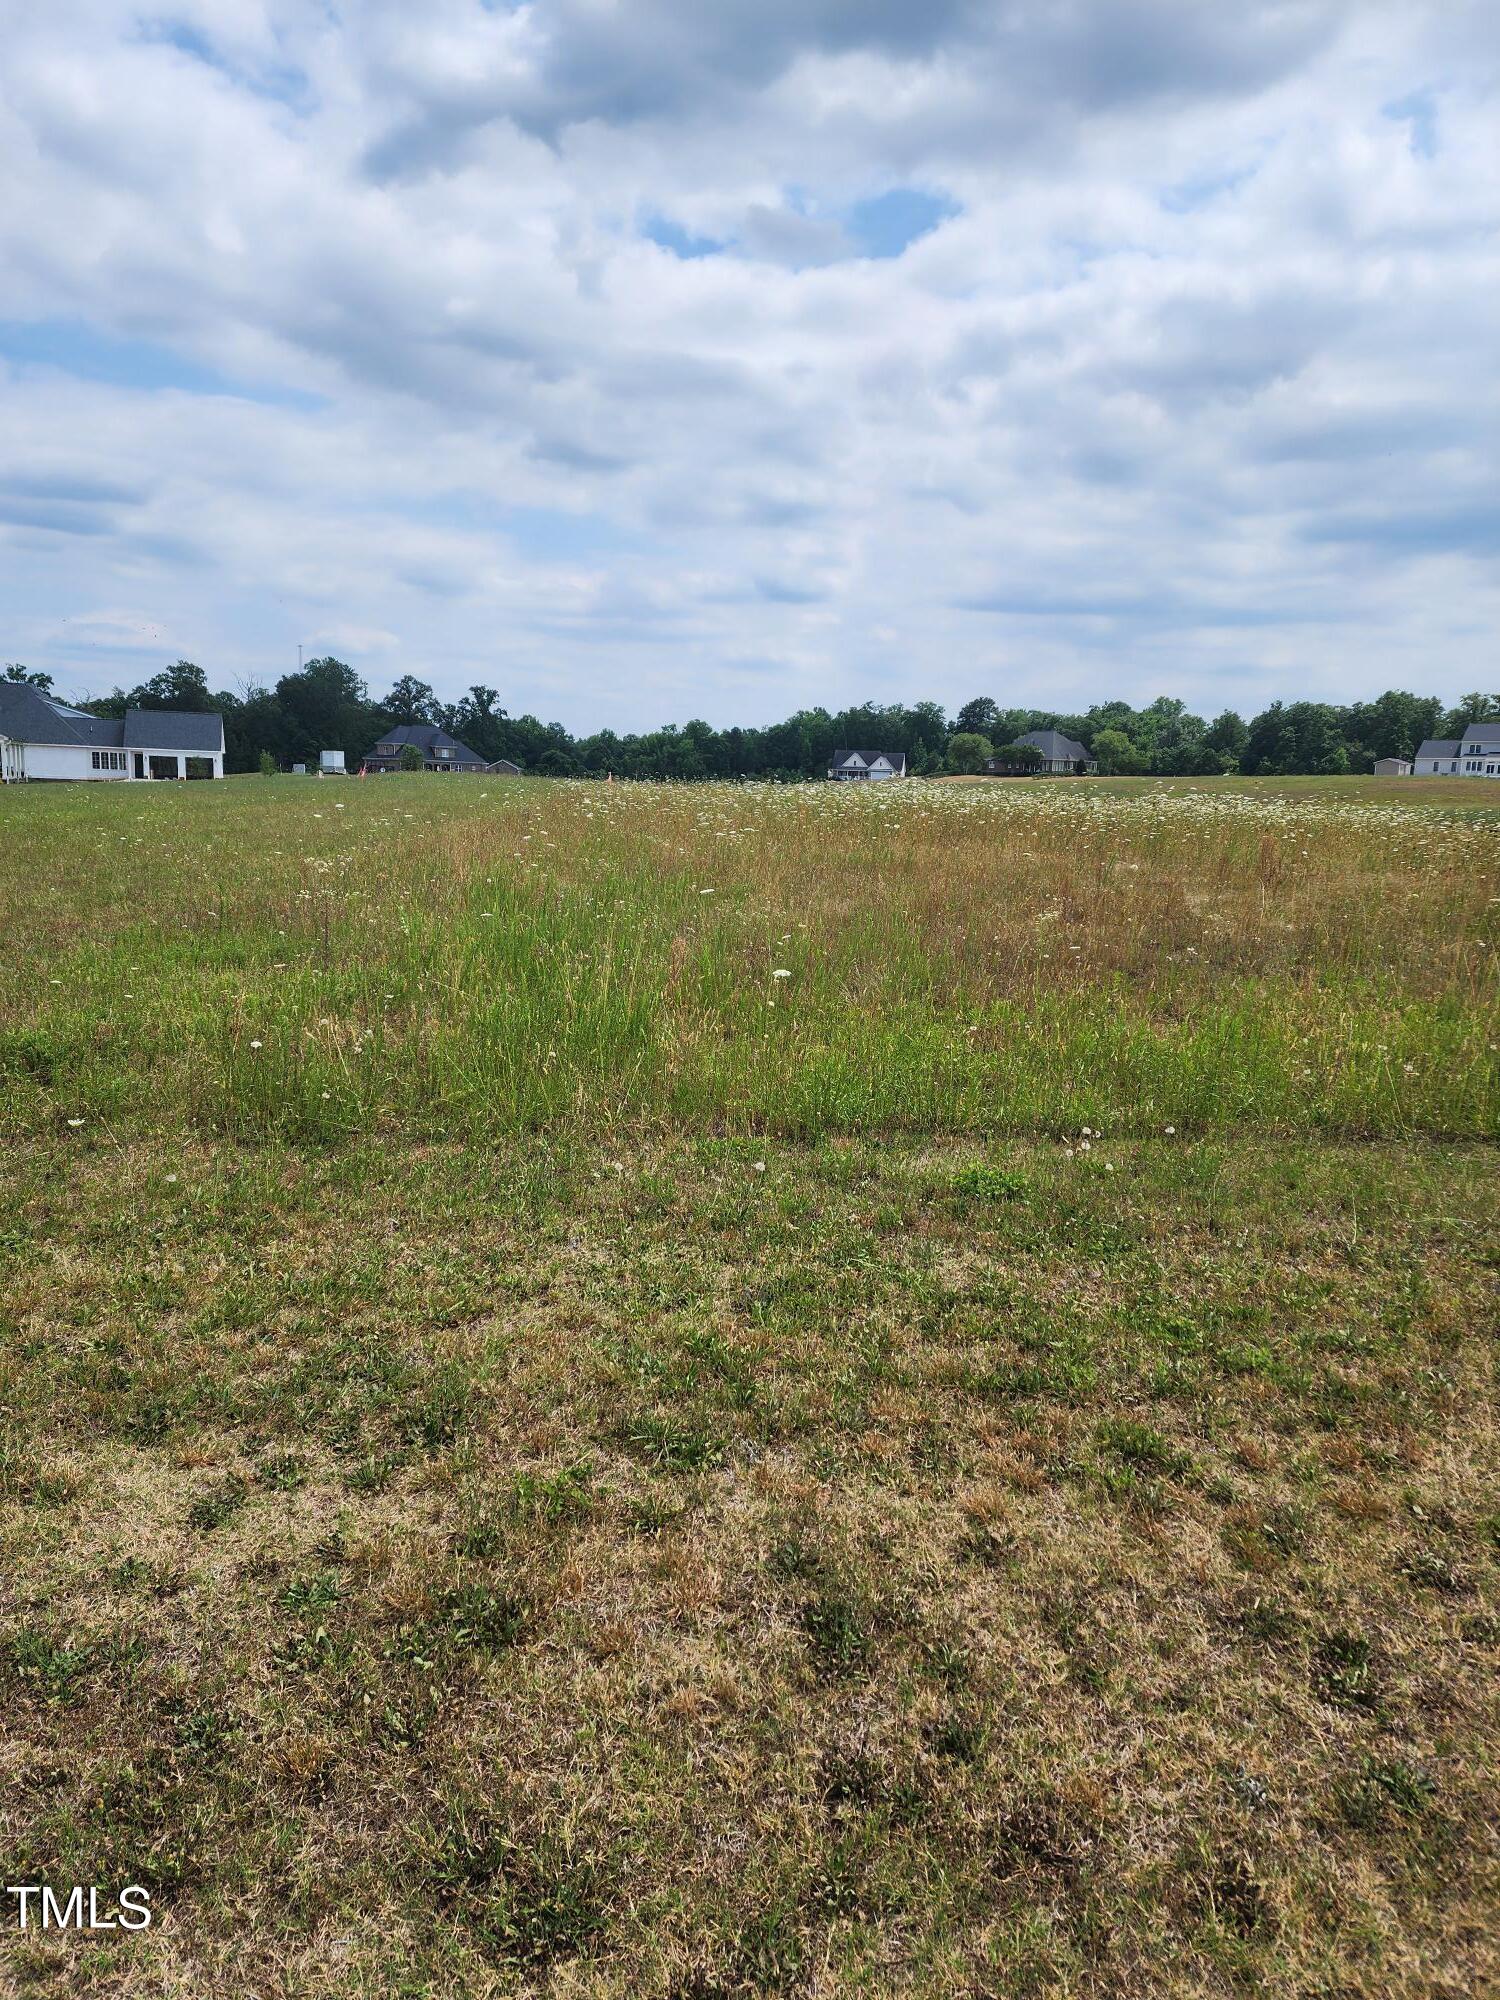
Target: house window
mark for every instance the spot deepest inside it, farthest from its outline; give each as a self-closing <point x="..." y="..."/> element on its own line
<point x="109" y="760"/>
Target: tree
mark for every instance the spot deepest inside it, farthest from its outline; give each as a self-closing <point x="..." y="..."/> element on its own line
<point x="14" y="671"/>
<point x="1116" y="755"/>
<point x="324" y="707"/>
<point x="1020" y="756"/>
<point x="411" y="700"/>
<point x="968" y="752"/>
<point x="182" y="685"/>
<point x="979" y="717"/>
<point x="1471" y="708"/>
<point x="267" y="764"/>
<point x="1225" y="737"/>
<point x="410" y="758"/>
<point x="476" y="721"/>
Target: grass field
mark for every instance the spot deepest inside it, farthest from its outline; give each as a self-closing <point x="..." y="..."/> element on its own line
<point x="687" y="1392"/>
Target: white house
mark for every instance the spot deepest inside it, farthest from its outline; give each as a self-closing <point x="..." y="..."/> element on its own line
<point x="868" y="764"/>
<point x="42" y="737"/>
<point x="1475" y="754"/>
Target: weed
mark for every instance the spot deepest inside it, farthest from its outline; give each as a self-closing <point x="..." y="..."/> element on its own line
<point x="1381" y="1788"/>
<point x="48" y="1669"/>
<point x="282" y="1472"/>
<point x="1344" y="1670"/>
<point x="991" y="1184"/>
<point x="220" y="1504"/>
<point x="673" y="1446"/>
<point x="835" y="1631"/>
<point x="319" y="1592"/>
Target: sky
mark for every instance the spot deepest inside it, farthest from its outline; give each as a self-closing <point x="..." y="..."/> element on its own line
<point x="647" y="359"/>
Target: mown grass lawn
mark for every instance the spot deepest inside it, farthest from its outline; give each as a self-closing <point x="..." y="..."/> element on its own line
<point x="670" y="1480"/>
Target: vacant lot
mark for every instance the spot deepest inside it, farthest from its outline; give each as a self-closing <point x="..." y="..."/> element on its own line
<point x="628" y="1391"/>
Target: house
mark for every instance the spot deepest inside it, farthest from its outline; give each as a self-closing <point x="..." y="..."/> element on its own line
<point x="1393" y="767"/>
<point x="503" y="768"/>
<point x="1436" y="758"/>
<point x="1061" y="756"/>
<point x="439" y="750"/>
<point x="866" y="764"/>
<point x="43" y="738"/>
<point x="1475" y="754"/>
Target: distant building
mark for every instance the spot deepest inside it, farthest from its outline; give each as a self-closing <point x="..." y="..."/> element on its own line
<point x="1061" y="756"/>
<point x="865" y="764"/>
<point x="1393" y="767"/>
<point x="1475" y="754"/>
<point x="439" y="750"/>
<point x="503" y="768"/>
<point x="331" y="762"/>
<point x="43" y="738"/>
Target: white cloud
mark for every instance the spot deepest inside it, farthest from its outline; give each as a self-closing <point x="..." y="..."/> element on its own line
<point x="351" y="330"/>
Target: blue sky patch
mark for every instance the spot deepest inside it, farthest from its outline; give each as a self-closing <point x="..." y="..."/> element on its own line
<point x="277" y="80"/>
<point x="681" y="242"/>
<point x="75" y="348"/>
<point x="1419" y="113"/>
<point x="884" y="225"/>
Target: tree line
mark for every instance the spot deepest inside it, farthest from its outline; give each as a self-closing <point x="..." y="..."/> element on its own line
<point x="326" y="706"/>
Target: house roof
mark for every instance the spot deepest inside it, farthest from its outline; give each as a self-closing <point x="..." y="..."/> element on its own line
<point x="1478" y="733"/>
<point x="426" y="737"/>
<point x="1439" y="747"/>
<point x="199" y="735"/>
<point x="895" y="758"/>
<point x="32" y="716"/>
<point x="1056" y="747"/>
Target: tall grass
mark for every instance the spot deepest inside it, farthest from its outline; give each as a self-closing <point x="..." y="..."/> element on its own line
<point x="441" y="955"/>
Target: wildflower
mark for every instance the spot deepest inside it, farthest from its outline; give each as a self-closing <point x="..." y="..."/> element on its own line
<point x="705" y="892"/>
<point x="257" y="1045"/>
<point x="760" y="1167"/>
<point x="75" y="1121"/>
<point x="1170" y="1130"/>
<point x="781" y="973"/>
<point x="171" y="1180"/>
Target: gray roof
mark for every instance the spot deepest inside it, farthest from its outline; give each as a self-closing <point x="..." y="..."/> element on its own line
<point x="895" y="758"/>
<point x="1056" y="747"/>
<point x="426" y="737"/>
<point x="1438" y="747"/>
<point x="31" y="716"/>
<point x="1481" y="733"/>
<point x="200" y="735"/>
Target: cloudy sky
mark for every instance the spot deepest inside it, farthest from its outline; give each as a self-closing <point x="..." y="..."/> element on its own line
<point x="651" y="358"/>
